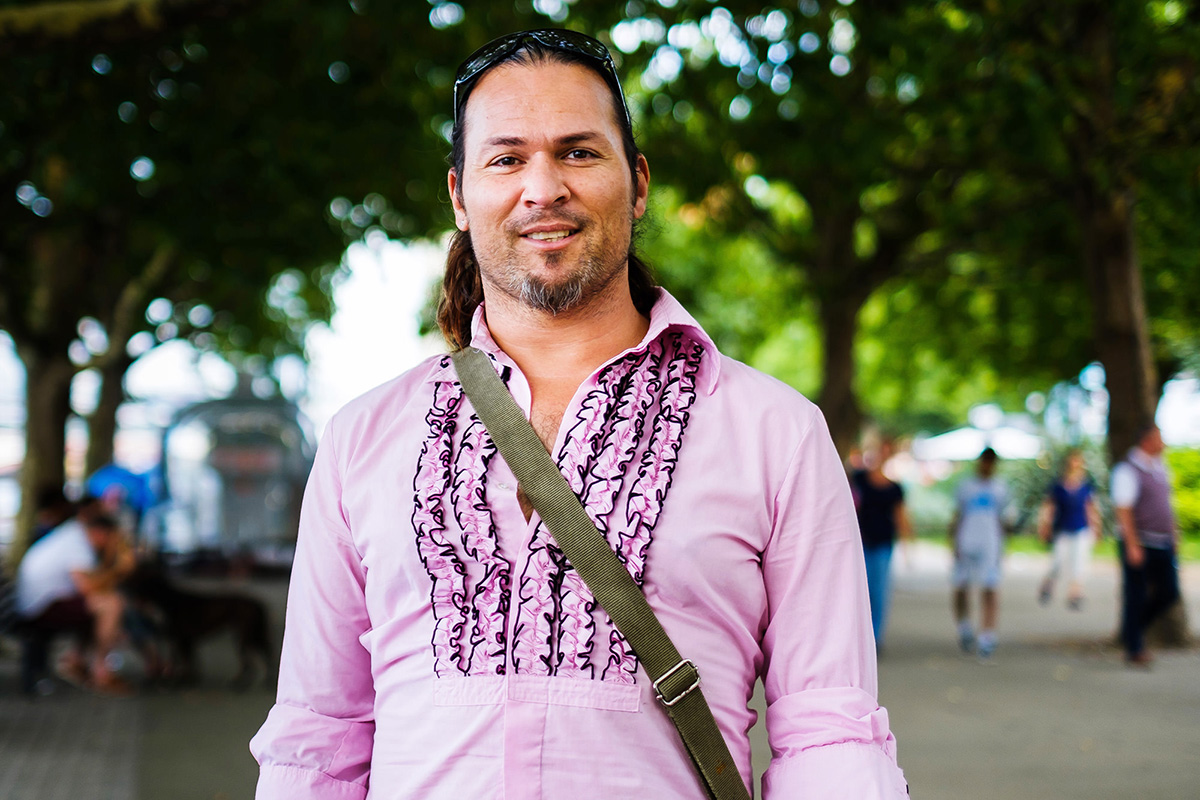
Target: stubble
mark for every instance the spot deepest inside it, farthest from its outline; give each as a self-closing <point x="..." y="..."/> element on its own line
<point x="593" y="273"/>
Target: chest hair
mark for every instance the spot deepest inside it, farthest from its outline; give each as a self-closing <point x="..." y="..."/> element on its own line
<point x="546" y="418"/>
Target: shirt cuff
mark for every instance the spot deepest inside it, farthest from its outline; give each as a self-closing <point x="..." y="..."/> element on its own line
<point x="282" y="782"/>
<point x="846" y="771"/>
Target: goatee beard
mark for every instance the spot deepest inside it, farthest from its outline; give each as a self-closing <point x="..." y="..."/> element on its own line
<point x="572" y="293"/>
<point x="553" y="300"/>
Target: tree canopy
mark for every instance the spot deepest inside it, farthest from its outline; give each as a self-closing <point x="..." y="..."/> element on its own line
<point x="897" y="206"/>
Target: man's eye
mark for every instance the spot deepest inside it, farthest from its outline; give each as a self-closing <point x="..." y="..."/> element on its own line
<point x="579" y="154"/>
<point x="504" y="161"/>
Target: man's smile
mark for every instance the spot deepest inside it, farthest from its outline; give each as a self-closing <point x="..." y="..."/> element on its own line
<point x="549" y="236"/>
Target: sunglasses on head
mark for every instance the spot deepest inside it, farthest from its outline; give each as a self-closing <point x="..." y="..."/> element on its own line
<point x="566" y="41"/>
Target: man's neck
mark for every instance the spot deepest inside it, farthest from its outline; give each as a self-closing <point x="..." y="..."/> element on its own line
<point x="565" y="348"/>
<point x="1139" y="456"/>
<point x="556" y="353"/>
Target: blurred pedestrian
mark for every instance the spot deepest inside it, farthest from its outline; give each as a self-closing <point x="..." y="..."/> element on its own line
<point x="882" y="519"/>
<point x="67" y="583"/>
<point x="977" y="535"/>
<point x="1069" y="521"/>
<point x="1141" y="497"/>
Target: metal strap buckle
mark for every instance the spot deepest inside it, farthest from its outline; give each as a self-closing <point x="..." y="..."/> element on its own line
<point x="685" y="663"/>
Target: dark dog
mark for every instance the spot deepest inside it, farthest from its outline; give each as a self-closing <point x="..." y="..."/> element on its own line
<point x="185" y="617"/>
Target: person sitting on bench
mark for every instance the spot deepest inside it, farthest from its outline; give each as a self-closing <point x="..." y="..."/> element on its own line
<point x="67" y="583"/>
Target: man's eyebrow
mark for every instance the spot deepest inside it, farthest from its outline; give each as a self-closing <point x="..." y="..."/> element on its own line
<point x="504" y="141"/>
<point x="580" y="138"/>
<point x="563" y="141"/>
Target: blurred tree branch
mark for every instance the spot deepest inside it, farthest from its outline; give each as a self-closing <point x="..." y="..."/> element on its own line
<point x="110" y="20"/>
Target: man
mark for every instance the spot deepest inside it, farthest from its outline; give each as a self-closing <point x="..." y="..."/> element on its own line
<point x="438" y="644"/>
<point x="977" y="537"/>
<point x="67" y="583"/>
<point x="1141" y="497"/>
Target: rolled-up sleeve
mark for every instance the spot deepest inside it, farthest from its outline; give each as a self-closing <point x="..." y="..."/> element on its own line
<point x="316" y="742"/>
<point x="829" y="737"/>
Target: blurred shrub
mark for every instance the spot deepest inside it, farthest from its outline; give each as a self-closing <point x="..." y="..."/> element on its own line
<point x="1185" y="474"/>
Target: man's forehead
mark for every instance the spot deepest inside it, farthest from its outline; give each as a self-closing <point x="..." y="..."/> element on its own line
<point x="515" y="100"/>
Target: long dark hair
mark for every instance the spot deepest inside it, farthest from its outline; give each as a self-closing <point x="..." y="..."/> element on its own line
<point x="462" y="286"/>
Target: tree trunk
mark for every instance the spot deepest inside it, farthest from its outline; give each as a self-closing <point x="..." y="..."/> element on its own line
<point x="839" y="325"/>
<point x="1119" y="314"/>
<point x="48" y="378"/>
<point x="1123" y="342"/>
<point x="102" y="423"/>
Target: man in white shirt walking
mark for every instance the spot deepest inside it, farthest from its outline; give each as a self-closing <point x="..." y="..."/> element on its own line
<point x="977" y="535"/>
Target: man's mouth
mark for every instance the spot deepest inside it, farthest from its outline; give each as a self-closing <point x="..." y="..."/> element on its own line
<point x="549" y="236"/>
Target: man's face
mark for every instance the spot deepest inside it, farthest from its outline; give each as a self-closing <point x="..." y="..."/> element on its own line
<point x="1152" y="443"/>
<point x="546" y="192"/>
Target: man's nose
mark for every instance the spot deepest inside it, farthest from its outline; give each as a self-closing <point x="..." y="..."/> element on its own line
<point x="545" y="182"/>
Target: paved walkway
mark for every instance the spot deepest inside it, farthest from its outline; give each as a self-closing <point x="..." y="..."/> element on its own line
<point x="159" y="745"/>
<point x="1054" y="715"/>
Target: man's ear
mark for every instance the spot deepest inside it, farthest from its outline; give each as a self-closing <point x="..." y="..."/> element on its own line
<point x="460" y="213"/>
<point x="642" y="190"/>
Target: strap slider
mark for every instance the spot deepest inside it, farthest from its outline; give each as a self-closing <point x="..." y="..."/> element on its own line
<point x="682" y="691"/>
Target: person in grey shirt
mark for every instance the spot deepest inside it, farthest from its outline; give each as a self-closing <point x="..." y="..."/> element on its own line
<point x="1141" y="497"/>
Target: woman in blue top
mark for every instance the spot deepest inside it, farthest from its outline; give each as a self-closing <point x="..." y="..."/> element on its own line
<point x="1069" y="517"/>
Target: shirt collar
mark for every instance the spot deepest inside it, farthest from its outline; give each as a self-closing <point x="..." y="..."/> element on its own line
<point x="666" y="315"/>
<point x="1140" y="458"/>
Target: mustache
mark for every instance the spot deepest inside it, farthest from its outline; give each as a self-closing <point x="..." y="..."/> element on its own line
<point x="568" y="218"/>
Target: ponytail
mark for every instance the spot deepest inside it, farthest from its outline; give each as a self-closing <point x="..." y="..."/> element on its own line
<point x="462" y="292"/>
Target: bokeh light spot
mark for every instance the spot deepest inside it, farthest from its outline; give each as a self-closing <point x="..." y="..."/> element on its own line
<point x="446" y="15"/>
<point x="159" y="310"/>
<point x="340" y="207"/>
<point x="142" y="169"/>
<point x="740" y="107"/>
<point x="27" y="193"/>
<point x="339" y="72"/>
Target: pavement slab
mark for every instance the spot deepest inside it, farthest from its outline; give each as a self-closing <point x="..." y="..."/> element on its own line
<point x="67" y="746"/>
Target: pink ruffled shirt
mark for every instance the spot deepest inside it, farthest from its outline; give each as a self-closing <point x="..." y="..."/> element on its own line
<point x="438" y="645"/>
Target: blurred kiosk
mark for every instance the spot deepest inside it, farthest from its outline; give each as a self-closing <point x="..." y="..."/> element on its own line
<point x="234" y="472"/>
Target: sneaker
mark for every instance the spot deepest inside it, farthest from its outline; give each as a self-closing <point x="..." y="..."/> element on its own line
<point x="74" y="673"/>
<point x="966" y="640"/>
<point x="986" y="650"/>
<point x="1075" y="604"/>
<point x="111" y="686"/>
<point x="1141" y="660"/>
<point x="1044" y="595"/>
